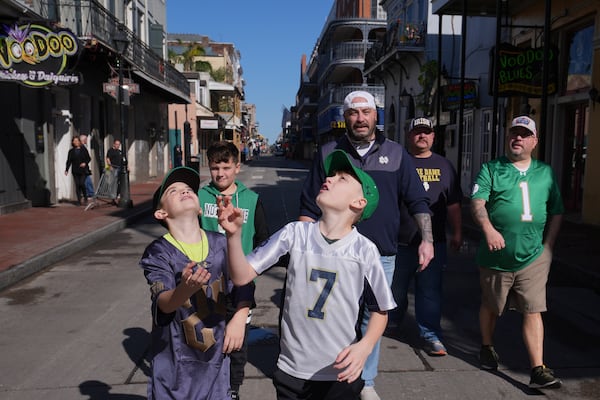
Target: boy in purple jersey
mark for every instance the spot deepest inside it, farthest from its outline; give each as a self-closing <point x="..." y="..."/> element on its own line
<point x="517" y="203"/>
<point x="333" y="272"/>
<point x="187" y="271"/>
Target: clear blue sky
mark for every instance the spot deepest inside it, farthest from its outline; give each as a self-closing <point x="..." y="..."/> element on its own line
<point x="271" y="36"/>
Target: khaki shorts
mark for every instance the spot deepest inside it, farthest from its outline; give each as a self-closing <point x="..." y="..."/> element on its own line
<point x="523" y="290"/>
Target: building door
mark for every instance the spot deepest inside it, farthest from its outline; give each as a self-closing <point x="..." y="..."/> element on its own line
<point x="12" y="147"/>
<point x="576" y="126"/>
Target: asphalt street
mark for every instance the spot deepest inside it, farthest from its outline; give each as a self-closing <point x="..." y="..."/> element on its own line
<point x="80" y="328"/>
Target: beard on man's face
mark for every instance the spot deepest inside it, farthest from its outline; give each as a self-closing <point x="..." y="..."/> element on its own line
<point x="361" y="132"/>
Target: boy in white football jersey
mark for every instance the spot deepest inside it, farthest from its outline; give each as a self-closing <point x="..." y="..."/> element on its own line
<point x="333" y="273"/>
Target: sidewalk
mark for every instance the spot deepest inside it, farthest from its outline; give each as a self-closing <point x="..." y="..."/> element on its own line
<point x="32" y="239"/>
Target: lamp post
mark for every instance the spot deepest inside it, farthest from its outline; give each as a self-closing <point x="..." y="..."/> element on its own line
<point x="121" y="42"/>
<point x="187" y="141"/>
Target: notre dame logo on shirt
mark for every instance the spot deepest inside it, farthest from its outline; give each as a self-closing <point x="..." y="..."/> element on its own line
<point x="210" y="211"/>
<point x="429" y="175"/>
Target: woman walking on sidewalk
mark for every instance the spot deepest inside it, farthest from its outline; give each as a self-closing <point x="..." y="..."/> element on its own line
<point x="78" y="159"/>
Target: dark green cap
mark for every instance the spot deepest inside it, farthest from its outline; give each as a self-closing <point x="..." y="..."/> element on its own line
<point x="180" y="174"/>
<point x="338" y="161"/>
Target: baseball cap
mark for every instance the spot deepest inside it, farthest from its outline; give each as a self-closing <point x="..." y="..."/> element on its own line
<point x="338" y="161"/>
<point x="525" y="122"/>
<point x="421" y="123"/>
<point x="180" y="174"/>
<point x="367" y="100"/>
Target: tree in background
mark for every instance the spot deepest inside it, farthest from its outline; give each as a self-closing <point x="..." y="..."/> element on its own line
<point x="188" y="58"/>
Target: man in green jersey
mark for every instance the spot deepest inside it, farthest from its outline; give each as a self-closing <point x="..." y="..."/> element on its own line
<point x="517" y="203"/>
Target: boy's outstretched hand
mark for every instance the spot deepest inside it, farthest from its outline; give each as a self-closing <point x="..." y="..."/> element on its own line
<point x="230" y="218"/>
<point x="195" y="275"/>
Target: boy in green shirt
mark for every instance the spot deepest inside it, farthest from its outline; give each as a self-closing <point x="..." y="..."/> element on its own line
<point x="224" y="166"/>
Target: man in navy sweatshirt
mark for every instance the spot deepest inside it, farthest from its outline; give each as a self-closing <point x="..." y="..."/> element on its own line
<point x="393" y="171"/>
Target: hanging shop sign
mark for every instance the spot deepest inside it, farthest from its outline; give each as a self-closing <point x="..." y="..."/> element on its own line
<point x="37" y="56"/>
<point x="520" y="70"/>
<point x="209" y="124"/>
<point x="451" y="96"/>
<point x="112" y="86"/>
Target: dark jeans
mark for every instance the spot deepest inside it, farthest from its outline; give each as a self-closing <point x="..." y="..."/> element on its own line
<point x="117" y="174"/>
<point x="80" y="187"/>
<point x="89" y="186"/>
<point x="428" y="289"/>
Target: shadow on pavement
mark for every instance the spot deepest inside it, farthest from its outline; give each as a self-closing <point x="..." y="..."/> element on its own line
<point x="137" y="345"/>
<point x="98" y="390"/>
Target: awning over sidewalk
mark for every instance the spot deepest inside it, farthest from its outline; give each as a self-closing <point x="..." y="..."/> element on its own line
<point x="170" y="94"/>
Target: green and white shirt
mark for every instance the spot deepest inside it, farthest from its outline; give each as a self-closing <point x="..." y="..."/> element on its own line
<point x="255" y="228"/>
<point x="518" y="204"/>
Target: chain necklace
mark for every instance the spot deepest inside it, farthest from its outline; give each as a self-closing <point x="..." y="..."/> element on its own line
<point x="203" y="252"/>
<point x="235" y="193"/>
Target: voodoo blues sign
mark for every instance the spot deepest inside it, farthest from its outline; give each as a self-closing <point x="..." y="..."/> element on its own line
<point x="520" y="70"/>
<point x="37" y="56"/>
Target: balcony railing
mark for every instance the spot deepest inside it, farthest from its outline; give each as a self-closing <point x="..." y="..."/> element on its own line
<point x="349" y="51"/>
<point x="400" y="36"/>
<point x="345" y="52"/>
<point x="403" y="33"/>
<point x="89" y="20"/>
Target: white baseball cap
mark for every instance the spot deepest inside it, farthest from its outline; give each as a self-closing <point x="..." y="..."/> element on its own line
<point x="366" y="100"/>
<point x="524" y="122"/>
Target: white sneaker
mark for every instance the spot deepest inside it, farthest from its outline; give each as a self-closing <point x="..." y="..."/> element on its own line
<point x="369" y="393"/>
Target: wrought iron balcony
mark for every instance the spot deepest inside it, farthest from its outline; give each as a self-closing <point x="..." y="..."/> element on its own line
<point x="90" y="21"/>
<point x="406" y="34"/>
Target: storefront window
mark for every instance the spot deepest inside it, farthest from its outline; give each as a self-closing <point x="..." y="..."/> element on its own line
<point x="579" y="71"/>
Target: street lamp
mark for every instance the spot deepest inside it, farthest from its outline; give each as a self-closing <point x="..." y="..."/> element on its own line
<point x="121" y="42"/>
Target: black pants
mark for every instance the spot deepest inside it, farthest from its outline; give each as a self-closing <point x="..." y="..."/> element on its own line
<point x="291" y="388"/>
<point x="238" y="358"/>
<point x="238" y="361"/>
<point x="80" y="186"/>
